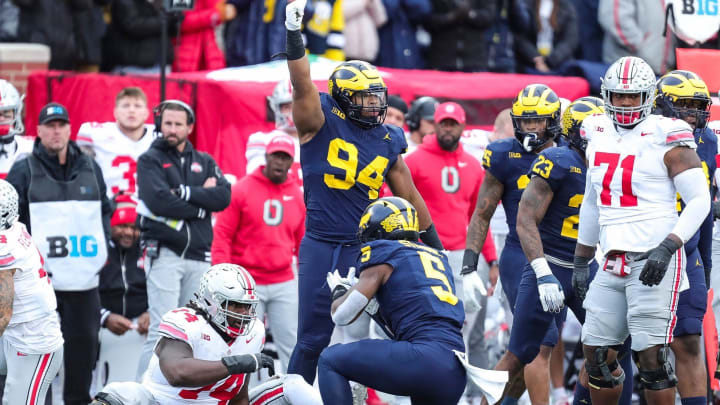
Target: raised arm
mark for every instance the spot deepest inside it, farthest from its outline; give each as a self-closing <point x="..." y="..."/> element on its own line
<point x="307" y="112"/>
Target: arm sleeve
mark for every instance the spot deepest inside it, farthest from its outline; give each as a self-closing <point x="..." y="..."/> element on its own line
<point x="212" y="199"/>
<point x="226" y="226"/>
<point x="617" y="18"/>
<point x="154" y="191"/>
<point x="589" y="227"/>
<point x="198" y="20"/>
<point x="692" y="186"/>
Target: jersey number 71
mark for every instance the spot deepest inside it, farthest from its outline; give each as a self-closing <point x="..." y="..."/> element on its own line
<point x="627" y="197"/>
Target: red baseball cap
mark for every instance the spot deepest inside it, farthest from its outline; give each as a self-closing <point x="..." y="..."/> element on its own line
<point x="449" y="110"/>
<point x="281" y="143"/>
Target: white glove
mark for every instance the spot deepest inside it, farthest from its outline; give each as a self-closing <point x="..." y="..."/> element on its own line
<point x="550" y="291"/>
<point x="372" y="306"/>
<point x="473" y="289"/>
<point x="294" y="14"/>
<point x="334" y="279"/>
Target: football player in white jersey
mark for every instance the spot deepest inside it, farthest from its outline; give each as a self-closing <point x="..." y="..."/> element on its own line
<point x="281" y="105"/>
<point x="117" y="145"/>
<point x="207" y="350"/>
<point x="13" y="145"/>
<point x="637" y="162"/>
<point x="32" y="344"/>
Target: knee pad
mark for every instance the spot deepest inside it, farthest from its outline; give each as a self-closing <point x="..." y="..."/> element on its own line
<point x="290" y="389"/>
<point x="103" y="398"/>
<point x="661" y="378"/>
<point x="600" y="372"/>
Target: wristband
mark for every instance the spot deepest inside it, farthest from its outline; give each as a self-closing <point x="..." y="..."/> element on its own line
<point x="470" y="262"/>
<point x="338" y="291"/>
<point x="431" y="238"/>
<point x="294" y="46"/>
<point x="541" y="267"/>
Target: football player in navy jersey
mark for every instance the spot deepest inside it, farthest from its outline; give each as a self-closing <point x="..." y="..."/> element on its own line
<point x="414" y="290"/>
<point x="684" y="95"/>
<point x="536" y="119"/>
<point x="346" y="154"/>
<point x="547" y="228"/>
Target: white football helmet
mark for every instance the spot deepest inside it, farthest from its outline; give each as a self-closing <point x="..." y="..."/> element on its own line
<point x="282" y="95"/>
<point x="629" y="74"/>
<point x="10" y="100"/>
<point x="224" y="283"/>
<point x="8" y="205"/>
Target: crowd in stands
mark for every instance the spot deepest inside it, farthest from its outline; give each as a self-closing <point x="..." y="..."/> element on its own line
<point x="561" y="37"/>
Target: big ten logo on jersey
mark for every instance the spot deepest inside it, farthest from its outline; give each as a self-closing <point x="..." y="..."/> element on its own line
<point x="450" y="179"/>
<point x="700" y="7"/>
<point x="273" y="210"/>
<point x="79" y="246"/>
<point x="343" y="155"/>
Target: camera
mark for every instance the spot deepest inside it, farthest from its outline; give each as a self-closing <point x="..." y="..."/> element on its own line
<point x="178" y="5"/>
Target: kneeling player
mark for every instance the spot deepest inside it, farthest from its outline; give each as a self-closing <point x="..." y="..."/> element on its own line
<point x="414" y="287"/>
<point x="207" y="350"/>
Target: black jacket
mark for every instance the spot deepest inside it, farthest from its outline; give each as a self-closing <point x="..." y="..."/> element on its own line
<point x="162" y="170"/>
<point x="19" y="177"/>
<point x="565" y="39"/>
<point x="122" y="282"/>
<point x="133" y="36"/>
<point x="50" y="22"/>
<point x="457" y="34"/>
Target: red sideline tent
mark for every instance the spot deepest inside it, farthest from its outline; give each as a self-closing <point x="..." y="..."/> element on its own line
<point x="230" y="104"/>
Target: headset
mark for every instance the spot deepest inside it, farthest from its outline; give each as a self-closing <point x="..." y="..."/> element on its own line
<point x="158" y="111"/>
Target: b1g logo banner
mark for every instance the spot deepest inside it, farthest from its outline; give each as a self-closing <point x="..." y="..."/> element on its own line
<point x="71" y="246"/>
<point x="694" y="21"/>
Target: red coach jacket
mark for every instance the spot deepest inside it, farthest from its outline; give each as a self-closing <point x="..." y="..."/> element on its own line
<point x="262" y="228"/>
<point x="449" y="183"/>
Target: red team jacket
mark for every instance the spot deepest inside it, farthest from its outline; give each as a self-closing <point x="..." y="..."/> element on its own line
<point x="262" y="228"/>
<point x="449" y="183"/>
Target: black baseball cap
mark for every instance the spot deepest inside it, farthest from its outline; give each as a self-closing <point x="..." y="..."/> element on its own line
<point x="53" y="112"/>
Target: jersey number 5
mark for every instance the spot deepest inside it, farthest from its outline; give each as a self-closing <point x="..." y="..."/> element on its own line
<point x="627" y="197"/>
<point x="371" y="175"/>
<point x="434" y="268"/>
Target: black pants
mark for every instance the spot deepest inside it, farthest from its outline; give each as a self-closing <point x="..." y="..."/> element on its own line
<point x="80" y="323"/>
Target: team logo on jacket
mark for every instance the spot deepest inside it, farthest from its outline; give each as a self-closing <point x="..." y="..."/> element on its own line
<point x="195" y="167"/>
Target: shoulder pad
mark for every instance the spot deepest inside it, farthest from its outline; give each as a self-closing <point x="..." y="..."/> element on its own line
<point x="673" y="132"/>
<point x="181" y="324"/>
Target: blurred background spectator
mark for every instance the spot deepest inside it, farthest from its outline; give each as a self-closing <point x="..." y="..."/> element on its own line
<point x="499" y="37"/>
<point x="636" y="27"/>
<point x="590" y="33"/>
<point x="396" y="110"/>
<point x="9" y="17"/>
<point x="256" y="33"/>
<point x="50" y="22"/>
<point x="261" y="230"/>
<point x="362" y="19"/>
<point x="123" y="298"/>
<point x="549" y="39"/>
<point x="132" y="43"/>
<point x="196" y="47"/>
<point x="90" y="29"/>
<point x="455" y="28"/>
<point x="399" y="47"/>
